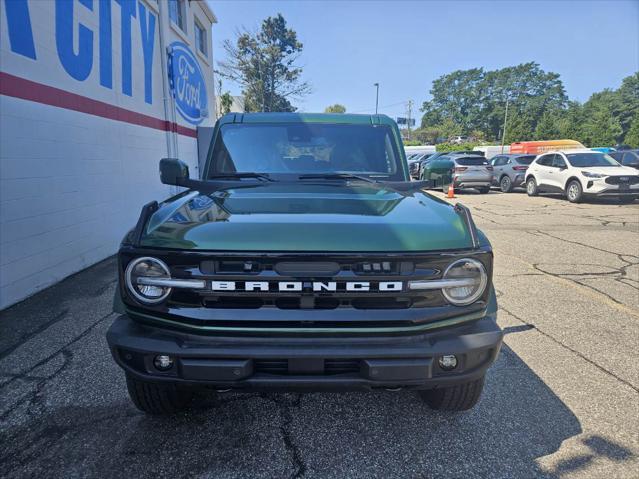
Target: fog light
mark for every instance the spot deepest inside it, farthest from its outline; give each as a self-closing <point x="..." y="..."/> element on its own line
<point x="448" y="362"/>
<point x="164" y="362"/>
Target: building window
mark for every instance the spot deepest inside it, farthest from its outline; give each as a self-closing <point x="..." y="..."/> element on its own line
<point x="177" y="13"/>
<point x="200" y="37"/>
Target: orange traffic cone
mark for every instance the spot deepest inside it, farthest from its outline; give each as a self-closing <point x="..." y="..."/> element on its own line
<point x="451" y="191"/>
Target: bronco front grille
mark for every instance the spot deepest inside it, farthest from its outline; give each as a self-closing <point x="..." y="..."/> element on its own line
<point x="250" y="283"/>
<point x="319" y="296"/>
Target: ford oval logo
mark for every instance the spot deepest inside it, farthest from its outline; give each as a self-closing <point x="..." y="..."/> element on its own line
<point x="187" y="84"/>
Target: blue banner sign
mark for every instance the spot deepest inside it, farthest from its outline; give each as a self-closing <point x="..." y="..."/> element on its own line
<point x="187" y="84"/>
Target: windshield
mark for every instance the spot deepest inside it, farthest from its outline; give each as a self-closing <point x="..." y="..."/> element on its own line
<point x="303" y="148"/>
<point x="583" y="160"/>
<point x="471" y="161"/>
<point x="525" y="160"/>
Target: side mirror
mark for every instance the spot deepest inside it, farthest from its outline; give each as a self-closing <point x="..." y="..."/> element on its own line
<point x="173" y="171"/>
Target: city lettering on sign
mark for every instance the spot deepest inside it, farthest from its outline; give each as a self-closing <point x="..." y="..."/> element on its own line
<point x="80" y="57"/>
<point x="80" y="64"/>
<point x="187" y="83"/>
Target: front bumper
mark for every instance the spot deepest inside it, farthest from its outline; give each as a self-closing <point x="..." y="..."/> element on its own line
<point x="306" y="363"/>
<point x="598" y="188"/>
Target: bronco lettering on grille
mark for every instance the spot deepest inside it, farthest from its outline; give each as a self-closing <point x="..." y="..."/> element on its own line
<point x="300" y="286"/>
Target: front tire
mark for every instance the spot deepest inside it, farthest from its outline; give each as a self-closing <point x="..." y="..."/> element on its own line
<point x="484" y="190"/>
<point x="574" y="192"/>
<point x="506" y="185"/>
<point x="460" y="397"/>
<point x="531" y="187"/>
<point x="157" y="398"/>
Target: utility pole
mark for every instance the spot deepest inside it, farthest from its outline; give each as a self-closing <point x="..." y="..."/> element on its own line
<point x="503" y="132"/>
<point x="410" y="110"/>
<point x="376" y="85"/>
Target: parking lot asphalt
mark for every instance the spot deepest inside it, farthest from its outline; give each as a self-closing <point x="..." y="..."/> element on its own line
<point x="561" y="401"/>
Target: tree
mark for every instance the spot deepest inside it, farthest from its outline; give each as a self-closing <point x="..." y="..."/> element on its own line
<point x="548" y="127"/>
<point x="600" y="124"/>
<point x="226" y="102"/>
<point x="569" y="121"/>
<point x="475" y="100"/>
<point x="428" y="136"/>
<point x="627" y="106"/>
<point x="632" y="137"/>
<point x="264" y="64"/>
<point x="336" y="108"/>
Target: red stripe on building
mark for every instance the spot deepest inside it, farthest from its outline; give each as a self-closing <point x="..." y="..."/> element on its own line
<point x="17" y="87"/>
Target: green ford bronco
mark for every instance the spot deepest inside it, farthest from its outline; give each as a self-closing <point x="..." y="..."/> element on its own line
<point x="303" y="259"/>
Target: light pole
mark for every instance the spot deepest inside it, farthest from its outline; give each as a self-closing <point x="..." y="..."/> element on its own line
<point x="503" y="132"/>
<point x="376" y="85"/>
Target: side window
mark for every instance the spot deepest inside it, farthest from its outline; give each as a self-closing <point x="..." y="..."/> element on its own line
<point x="200" y="38"/>
<point x="498" y="161"/>
<point x="545" y="160"/>
<point x="630" y="159"/>
<point x="558" y="162"/>
<point x="177" y="13"/>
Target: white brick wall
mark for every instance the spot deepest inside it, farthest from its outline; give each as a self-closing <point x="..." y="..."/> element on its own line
<point x="72" y="183"/>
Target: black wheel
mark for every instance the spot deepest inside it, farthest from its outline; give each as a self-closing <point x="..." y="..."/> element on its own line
<point x="484" y="190"/>
<point x="157" y="398"/>
<point x="574" y="192"/>
<point x="531" y="187"/>
<point x="454" y="398"/>
<point x="506" y="185"/>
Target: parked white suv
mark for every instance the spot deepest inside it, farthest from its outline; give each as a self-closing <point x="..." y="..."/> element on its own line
<point x="581" y="173"/>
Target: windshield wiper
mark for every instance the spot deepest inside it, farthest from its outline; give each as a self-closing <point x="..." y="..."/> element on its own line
<point x="336" y="176"/>
<point x="240" y="175"/>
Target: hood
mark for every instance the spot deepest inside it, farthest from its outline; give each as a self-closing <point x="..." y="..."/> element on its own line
<point x="291" y="217"/>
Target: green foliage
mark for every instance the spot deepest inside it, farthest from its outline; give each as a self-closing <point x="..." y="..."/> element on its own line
<point x="336" y="108"/>
<point x="632" y="137"/>
<point x="263" y="63"/>
<point x="444" y="147"/>
<point x="473" y="102"/>
<point x="427" y="136"/>
<point x="548" y="127"/>
<point x="600" y="124"/>
<point x="412" y="143"/>
<point x="226" y="101"/>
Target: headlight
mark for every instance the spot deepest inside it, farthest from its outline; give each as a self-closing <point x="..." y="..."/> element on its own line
<point x="142" y="275"/>
<point x="470" y="279"/>
<point x="588" y="174"/>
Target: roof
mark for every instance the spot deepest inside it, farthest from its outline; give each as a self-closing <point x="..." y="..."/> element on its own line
<point x="284" y="117"/>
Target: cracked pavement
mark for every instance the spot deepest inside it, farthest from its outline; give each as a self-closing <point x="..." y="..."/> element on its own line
<point x="561" y="401"/>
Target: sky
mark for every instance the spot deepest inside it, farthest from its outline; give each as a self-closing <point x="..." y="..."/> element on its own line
<point x="405" y="45"/>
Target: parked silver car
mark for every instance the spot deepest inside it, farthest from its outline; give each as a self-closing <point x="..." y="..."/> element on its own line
<point x="472" y="171"/>
<point x="509" y="171"/>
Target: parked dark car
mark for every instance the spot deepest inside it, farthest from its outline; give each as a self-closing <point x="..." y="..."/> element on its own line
<point x="509" y="171"/>
<point x="626" y="157"/>
<point x="416" y="163"/>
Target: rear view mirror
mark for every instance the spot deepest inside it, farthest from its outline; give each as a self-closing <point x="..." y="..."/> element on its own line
<point x="173" y="171"/>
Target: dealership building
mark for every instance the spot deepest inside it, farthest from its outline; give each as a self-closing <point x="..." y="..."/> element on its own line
<point x="92" y="94"/>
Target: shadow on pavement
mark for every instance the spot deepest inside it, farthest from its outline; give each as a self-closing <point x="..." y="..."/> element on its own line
<point x="77" y="426"/>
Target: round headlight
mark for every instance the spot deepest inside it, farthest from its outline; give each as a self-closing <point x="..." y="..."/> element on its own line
<point x="140" y="275"/>
<point x="468" y="291"/>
